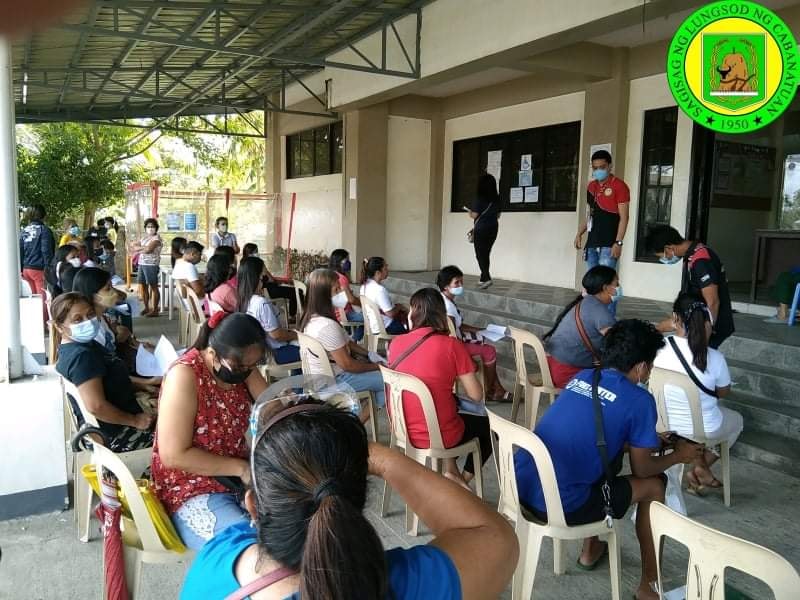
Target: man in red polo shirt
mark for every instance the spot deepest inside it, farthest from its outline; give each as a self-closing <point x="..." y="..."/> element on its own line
<point x="607" y="219"/>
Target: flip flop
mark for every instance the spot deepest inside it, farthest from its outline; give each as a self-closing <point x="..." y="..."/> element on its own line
<point x="592" y="566"/>
<point x="693" y="485"/>
<point x="506" y="397"/>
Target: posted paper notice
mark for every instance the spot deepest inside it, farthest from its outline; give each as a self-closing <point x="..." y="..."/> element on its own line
<point x="532" y="194"/>
<point x="494" y="165"/>
<point x="516" y="195"/>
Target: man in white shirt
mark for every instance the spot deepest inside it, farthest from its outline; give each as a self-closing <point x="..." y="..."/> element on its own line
<point x="186" y="268"/>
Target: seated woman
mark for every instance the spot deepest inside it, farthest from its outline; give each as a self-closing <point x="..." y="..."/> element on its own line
<point x="249" y="249"/>
<point x="394" y="316"/>
<point x="251" y="301"/>
<point x="351" y="362"/>
<point x="567" y="352"/>
<point x="691" y="318"/>
<point x="219" y="283"/>
<point x="65" y="255"/>
<point x="307" y="502"/>
<point x="176" y="249"/>
<point x="102" y="379"/>
<point x="203" y="415"/>
<point x="450" y="281"/>
<point x="341" y="265"/>
<point x="439" y="361"/>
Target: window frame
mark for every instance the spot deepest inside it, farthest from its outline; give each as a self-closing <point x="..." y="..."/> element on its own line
<point x="309" y="138"/>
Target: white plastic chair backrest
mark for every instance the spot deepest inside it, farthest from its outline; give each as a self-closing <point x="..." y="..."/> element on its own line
<point x="524" y="338"/>
<point x="510" y="436"/>
<point x="403" y="382"/>
<point x="72" y="390"/>
<point x="195" y="306"/>
<point x="373" y="317"/>
<point x="452" y="327"/>
<point x="711" y="552"/>
<point x="659" y="379"/>
<point x="103" y="458"/>
<point x="310" y="345"/>
<point x="299" y="286"/>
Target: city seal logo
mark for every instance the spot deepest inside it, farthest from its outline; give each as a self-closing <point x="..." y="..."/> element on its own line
<point x="732" y="66"/>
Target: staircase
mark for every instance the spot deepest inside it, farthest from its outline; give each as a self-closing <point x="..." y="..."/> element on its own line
<point x="766" y="373"/>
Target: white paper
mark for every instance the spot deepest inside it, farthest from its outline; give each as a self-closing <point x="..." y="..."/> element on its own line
<point x="494" y="332"/>
<point x="526" y="162"/>
<point x="376" y="358"/>
<point x="532" y="194"/>
<point x="526" y="178"/>
<point x="516" y="195"/>
<point x="678" y="593"/>
<point x="494" y="165"/>
<point x="352" y="190"/>
<point x="155" y="364"/>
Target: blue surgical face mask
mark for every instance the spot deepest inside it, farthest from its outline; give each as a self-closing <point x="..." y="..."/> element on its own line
<point x="645" y="385"/>
<point x="617" y="294"/>
<point x="104" y="256"/>
<point x="457" y="291"/>
<point x="669" y="261"/>
<point x="85" y="331"/>
<point x="346" y="265"/>
<point x="600" y="174"/>
<point x="74" y="230"/>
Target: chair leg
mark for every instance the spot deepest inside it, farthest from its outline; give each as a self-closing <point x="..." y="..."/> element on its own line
<point x="532" y="397"/>
<point x="82" y="497"/>
<point x="614" y="564"/>
<point x="559" y="556"/>
<point x="133" y="570"/>
<point x="515" y="402"/>
<point x="476" y="460"/>
<point x="412" y="522"/>
<point x="387" y="497"/>
<point x="725" y="459"/>
<point x="373" y="418"/>
<point x="530" y="544"/>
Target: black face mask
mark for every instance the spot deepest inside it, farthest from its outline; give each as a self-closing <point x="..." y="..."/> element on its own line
<point x="225" y="375"/>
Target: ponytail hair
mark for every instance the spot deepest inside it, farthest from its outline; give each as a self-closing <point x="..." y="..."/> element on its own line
<point x="371" y="266"/>
<point x="694" y="313"/>
<point x="594" y="280"/>
<point x="311" y="488"/>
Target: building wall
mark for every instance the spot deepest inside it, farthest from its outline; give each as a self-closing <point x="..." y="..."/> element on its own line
<point x="534" y="247"/>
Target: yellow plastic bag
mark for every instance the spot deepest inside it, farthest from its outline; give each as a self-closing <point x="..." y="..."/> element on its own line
<point x="164" y="527"/>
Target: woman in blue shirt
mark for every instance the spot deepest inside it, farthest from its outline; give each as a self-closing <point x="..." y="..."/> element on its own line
<point x="309" y="537"/>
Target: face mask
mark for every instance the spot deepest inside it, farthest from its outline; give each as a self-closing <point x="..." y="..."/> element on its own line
<point x="223" y="228"/>
<point x="85" y="331"/>
<point x="645" y="385"/>
<point x="669" y="261"/>
<point x="600" y="174"/>
<point x="617" y="294"/>
<point x="151" y="230"/>
<point x="74" y="230"/>
<point x="225" y="375"/>
<point x="339" y="300"/>
<point x="104" y="256"/>
<point x="75" y="262"/>
<point x="457" y="291"/>
<point x="346" y="265"/>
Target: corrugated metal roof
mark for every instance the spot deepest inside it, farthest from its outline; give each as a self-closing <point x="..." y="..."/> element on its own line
<point x="117" y="59"/>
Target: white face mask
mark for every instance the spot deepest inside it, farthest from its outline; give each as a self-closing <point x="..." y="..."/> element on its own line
<point x="457" y="291"/>
<point x="151" y="230"/>
<point x="339" y="300"/>
<point x="223" y="228"/>
<point x="75" y="262"/>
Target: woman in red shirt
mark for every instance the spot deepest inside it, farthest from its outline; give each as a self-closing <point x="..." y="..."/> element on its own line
<point x="204" y="411"/>
<point x="439" y="362"/>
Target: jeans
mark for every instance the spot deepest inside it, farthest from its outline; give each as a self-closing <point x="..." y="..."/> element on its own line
<point x="356" y="317"/>
<point x="396" y="328"/>
<point x="370" y="381"/>
<point x="483" y="242"/>
<point x="602" y="256"/>
<point x="202" y="517"/>
<point x="476" y="427"/>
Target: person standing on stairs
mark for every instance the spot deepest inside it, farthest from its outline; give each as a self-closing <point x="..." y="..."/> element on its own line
<point x="485" y="215"/>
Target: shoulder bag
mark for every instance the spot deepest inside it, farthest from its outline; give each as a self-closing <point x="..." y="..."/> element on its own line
<point x="471" y="232"/>
<point x="411" y="349"/>
<point x="608" y="510"/>
<point x="689" y="371"/>
<point x="584" y="337"/>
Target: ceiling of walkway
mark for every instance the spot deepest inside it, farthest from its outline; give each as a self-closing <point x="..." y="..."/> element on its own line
<point x="121" y="59"/>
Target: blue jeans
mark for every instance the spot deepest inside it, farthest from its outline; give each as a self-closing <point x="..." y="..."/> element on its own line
<point x="202" y="517"/>
<point x="357" y="317"/>
<point x="396" y="328"/>
<point x="371" y="381"/>
<point x="602" y="256"/>
<point x="286" y="354"/>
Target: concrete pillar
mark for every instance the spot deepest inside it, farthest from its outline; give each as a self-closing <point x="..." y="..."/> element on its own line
<point x="10" y="329"/>
<point x="364" y="219"/>
<point x="272" y="153"/>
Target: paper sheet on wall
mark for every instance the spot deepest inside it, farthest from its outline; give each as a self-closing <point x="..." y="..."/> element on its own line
<point x="494" y="165"/>
<point x="156" y="363"/>
<point x="526" y="162"/>
<point x="494" y="332"/>
<point x="532" y="194"/>
<point x="525" y="178"/>
<point x="352" y="189"/>
<point x="515" y="195"/>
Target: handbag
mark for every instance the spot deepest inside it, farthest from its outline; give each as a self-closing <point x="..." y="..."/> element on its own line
<point x="471" y="232"/>
<point x="689" y="370"/>
<point x="602" y="449"/>
<point x="584" y="337"/>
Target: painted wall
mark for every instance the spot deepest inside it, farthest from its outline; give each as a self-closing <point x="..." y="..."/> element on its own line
<point x="318" y="212"/>
<point x="643" y="279"/>
<point x="532" y="247"/>
<point x="408" y="192"/>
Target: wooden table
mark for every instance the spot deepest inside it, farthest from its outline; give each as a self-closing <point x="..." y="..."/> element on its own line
<point x="774" y="251"/>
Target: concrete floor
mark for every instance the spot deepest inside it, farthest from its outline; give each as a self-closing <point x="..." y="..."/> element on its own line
<point x="43" y="560"/>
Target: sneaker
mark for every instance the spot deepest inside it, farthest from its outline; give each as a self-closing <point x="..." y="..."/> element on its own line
<point x="486" y="284"/>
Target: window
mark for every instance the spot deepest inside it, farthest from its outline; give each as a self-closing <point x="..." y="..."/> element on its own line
<point x="655" y="188"/>
<point x="553" y="151"/>
<point x="315" y="151"/>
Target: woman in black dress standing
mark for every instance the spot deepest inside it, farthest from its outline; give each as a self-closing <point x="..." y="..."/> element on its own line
<point x="484" y="213"/>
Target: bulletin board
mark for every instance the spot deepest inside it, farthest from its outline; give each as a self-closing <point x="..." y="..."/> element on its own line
<point x="744" y="175"/>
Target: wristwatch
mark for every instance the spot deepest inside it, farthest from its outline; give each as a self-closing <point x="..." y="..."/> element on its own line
<point x="618" y="243"/>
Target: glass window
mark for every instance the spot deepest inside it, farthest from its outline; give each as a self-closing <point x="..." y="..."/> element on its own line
<point x="658" y="158"/>
<point x="315" y="151"/>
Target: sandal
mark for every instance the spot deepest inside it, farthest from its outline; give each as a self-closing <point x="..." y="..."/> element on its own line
<point x="693" y="485"/>
<point x="592" y="566"/>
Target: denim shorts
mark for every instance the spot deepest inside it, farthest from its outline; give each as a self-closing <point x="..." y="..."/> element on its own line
<point x="148" y="274"/>
<point x="202" y="517"/>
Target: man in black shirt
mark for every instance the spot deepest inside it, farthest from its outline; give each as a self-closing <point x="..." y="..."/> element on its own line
<point x="703" y="274"/>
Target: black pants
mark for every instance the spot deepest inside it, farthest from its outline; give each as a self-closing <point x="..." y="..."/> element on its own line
<point x="276" y="290"/>
<point x="484" y="240"/>
<point x="477" y="427"/>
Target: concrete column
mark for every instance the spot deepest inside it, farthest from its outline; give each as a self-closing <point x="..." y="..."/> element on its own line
<point x="364" y="219"/>
<point x="10" y="330"/>
<point x="272" y="152"/>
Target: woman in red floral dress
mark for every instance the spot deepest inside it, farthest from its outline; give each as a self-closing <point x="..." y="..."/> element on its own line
<point x="204" y="408"/>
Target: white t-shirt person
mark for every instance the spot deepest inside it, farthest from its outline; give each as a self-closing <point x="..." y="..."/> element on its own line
<point x="185" y="270"/>
<point x="715" y="376"/>
<point x="380" y="296"/>
<point x="453" y="313"/>
<point x="264" y="312"/>
<point x="332" y="336"/>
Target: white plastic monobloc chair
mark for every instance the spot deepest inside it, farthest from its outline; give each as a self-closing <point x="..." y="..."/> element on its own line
<point x="373" y="321"/>
<point x="196" y="315"/>
<point x="299" y="286"/>
<point x="659" y="380"/>
<point x="711" y="552"/>
<point x="479" y="373"/>
<point x="507" y="437"/>
<point x="532" y="386"/>
<point x="310" y="346"/>
<point x="136" y="460"/>
<point x="401" y="382"/>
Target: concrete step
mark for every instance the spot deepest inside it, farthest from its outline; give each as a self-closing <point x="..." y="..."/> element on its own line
<point x="773" y="384"/>
<point x="769" y="450"/>
<point x="765" y="417"/>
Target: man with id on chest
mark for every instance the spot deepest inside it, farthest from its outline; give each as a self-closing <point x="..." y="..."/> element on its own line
<point x="607" y="219"/>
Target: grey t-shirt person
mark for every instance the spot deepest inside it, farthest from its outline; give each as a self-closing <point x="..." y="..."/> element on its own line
<point x="566" y="345"/>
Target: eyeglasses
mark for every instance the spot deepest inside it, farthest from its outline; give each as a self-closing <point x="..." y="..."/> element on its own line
<point x="240" y="368"/>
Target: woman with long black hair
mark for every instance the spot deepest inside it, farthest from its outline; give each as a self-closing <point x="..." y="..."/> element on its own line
<point x="485" y="214"/>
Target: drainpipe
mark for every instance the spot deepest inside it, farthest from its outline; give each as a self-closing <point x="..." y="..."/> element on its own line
<point x="10" y="330"/>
